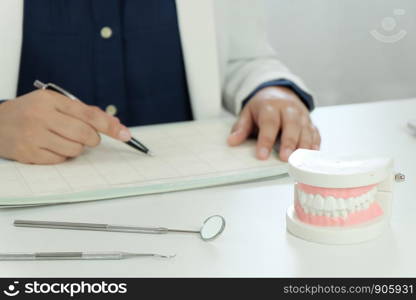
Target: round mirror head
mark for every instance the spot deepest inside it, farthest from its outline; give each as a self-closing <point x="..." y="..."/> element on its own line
<point x="212" y="227"/>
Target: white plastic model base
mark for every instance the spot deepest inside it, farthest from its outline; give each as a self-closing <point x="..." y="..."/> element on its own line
<point x="339" y="199"/>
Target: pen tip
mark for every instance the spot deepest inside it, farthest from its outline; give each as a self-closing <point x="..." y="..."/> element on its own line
<point x="150" y="153"/>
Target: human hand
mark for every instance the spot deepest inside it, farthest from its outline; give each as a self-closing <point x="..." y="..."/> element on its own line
<point x="44" y="127"/>
<point x="271" y="110"/>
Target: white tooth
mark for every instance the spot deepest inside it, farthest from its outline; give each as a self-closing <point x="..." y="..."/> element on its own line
<point x="360" y="200"/>
<point x="319" y="212"/>
<point x="306" y="209"/>
<point x="364" y="201"/>
<point x="319" y="202"/>
<point x="315" y="202"/>
<point x="350" y="204"/>
<point x="313" y="212"/>
<point x="333" y="203"/>
<point x="366" y="205"/>
<point x="327" y="204"/>
<point x="327" y="214"/>
<point x="335" y="214"/>
<point x="341" y="203"/>
<point x="357" y="202"/>
<point x="306" y="197"/>
<point x="303" y="198"/>
<point x="344" y="213"/>
<point x="356" y="206"/>
<point x="311" y="200"/>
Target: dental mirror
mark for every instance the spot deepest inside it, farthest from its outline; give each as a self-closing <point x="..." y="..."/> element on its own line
<point x="211" y="228"/>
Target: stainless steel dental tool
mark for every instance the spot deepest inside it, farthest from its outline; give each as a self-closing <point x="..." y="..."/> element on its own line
<point x="103" y="255"/>
<point x="211" y="228"/>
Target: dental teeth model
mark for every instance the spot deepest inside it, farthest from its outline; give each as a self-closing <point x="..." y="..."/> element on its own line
<point x="340" y="199"/>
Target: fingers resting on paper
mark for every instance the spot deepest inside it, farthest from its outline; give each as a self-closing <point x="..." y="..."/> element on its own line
<point x="271" y="111"/>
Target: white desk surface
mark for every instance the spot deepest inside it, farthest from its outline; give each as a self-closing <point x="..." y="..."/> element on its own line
<point x="255" y="242"/>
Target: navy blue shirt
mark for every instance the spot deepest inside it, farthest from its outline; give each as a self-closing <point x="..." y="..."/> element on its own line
<point x="109" y="52"/>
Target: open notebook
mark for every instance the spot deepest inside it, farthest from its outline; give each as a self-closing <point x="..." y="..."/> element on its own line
<point x="187" y="155"/>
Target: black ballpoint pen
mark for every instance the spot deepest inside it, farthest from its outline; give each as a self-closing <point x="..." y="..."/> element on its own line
<point x="132" y="142"/>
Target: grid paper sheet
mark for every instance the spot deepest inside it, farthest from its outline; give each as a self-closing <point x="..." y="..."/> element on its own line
<point x="186" y="155"/>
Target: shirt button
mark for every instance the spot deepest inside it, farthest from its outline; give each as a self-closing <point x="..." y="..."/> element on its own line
<point x="111" y="109"/>
<point x="106" y="32"/>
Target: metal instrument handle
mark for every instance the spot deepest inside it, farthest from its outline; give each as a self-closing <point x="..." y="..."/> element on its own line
<point x="136" y="229"/>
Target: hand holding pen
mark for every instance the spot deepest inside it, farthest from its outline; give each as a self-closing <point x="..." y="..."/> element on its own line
<point x="132" y="142"/>
<point x="45" y="127"/>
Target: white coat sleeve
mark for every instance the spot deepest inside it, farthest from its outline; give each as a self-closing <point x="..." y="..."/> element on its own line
<point x="251" y="61"/>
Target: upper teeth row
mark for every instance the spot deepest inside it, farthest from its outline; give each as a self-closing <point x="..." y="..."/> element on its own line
<point x="329" y="204"/>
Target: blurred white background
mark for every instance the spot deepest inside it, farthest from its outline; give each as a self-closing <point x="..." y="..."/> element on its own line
<point x="330" y="45"/>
